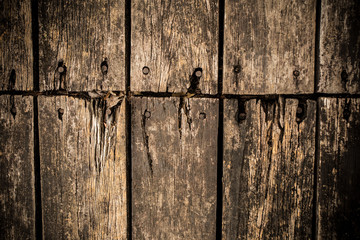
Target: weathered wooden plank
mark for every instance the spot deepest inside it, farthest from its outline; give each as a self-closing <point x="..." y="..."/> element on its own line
<point x="338" y="195"/>
<point x="269" y="46"/>
<point x="83" y="168"/>
<point x="339" y="46"/>
<point x="174" y="162"/>
<point x="82" y="45"/>
<point x="16" y="58"/>
<point x="171" y="40"/>
<point x="268" y="169"/>
<point x="17" y="195"/>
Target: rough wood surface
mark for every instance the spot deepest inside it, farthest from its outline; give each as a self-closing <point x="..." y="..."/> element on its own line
<point x="174" y="162"/>
<point x="339" y="46"/>
<point x="265" y="42"/>
<point x="338" y="203"/>
<point x="268" y="169"/>
<point x="83" y="168"/>
<point x="16" y="58"/>
<point x="17" y="195"/>
<point x="172" y="39"/>
<point x="82" y="45"/>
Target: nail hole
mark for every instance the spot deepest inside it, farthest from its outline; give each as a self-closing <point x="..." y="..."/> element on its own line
<point x="202" y="116"/>
<point x="237" y="69"/>
<point x="241" y="115"/>
<point x="296" y="73"/>
<point x="104" y="67"/>
<point x="146" y="70"/>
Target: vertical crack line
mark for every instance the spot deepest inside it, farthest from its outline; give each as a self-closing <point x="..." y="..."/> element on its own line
<point x="317" y="46"/>
<point x="221" y="46"/>
<point x="220" y="152"/>
<point x="316" y="164"/>
<point x="38" y="205"/>
<point x="36" y="87"/>
<point x="220" y="140"/>
<point x="128" y="117"/>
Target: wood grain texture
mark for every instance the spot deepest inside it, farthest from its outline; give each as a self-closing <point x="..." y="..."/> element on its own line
<point x="268" y="169"/>
<point x="265" y="42"/>
<point x="174" y="162"/>
<point x="16" y="57"/>
<point x="80" y="36"/>
<point x="83" y="168"/>
<point x="339" y="46"/>
<point x="338" y="196"/>
<point x="173" y="38"/>
<point x="17" y="195"/>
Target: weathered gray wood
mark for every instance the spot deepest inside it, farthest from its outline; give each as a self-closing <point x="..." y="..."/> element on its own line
<point x="174" y="162"/>
<point x="268" y="169"/>
<point x="17" y="195"/>
<point x="16" y="58"/>
<point x="338" y="195"/>
<point x="339" y="46"/>
<point x="83" y="168"/>
<point x="76" y="37"/>
<point x="172" y="39"/>
<point x="265" y="42"/>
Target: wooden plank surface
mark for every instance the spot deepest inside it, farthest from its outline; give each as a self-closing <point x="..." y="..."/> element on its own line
<point x="16" y="58"/>
<point x="268" y="169"/>
<point x="172" y="39"/>
<point x="78" y="39"/>
<point x="174" y="162"/>
<point x="269" y="46"/>
<point x="17" y="194"/>
<point x="338" y="207"/>
<point x="83" y="168"/>
<point x="339" y="46"/>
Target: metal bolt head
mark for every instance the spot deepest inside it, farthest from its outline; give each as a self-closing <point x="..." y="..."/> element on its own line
<point x="147" y="114"/>
<point x="237" y="69"/>
<point x="198" y="73"/>
<point x="296" y="73"/>
<point x="202" y="116"/>
<point x="146" y="70"/>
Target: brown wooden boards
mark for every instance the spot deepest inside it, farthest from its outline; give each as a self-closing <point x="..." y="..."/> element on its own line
<point x="338" y="195"/>
<point x="170" y="40"/>
<point x="82" y="45"/>
<point x="269" y="149"/>
<point x="17" y="195"/>
<point x="269" y="46"/>
<point x="83" y="168"/>
<point x="16" y="58"/>
<point x="174" y="162"/>
<point x="339" y="46"/>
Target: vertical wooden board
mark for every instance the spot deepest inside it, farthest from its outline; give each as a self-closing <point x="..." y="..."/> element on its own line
<point x="83" y="168"/>
<point x="269" y="46"/>
<point x="16" y="58"/>
<point x="174" y="167"/>
<point x="268" y="169"/>
<point x="172" y="39"/>
<point x="339" y="46"/>
<point x="338" y="195"/>
<point x="78" y="39"/>
<point x="17" y="195"/>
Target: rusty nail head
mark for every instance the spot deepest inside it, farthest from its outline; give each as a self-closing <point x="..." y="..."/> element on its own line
<point x="202" y="116"/>
<point x="237" y="68"/>
<point x="296" y="73"/>
<point x="198" y="73"/>
<point x="299" y="110"/>
<point x="61" y="69"/>
<point x="104" y="68"/>
<point x="147" y="114"/>
<point x="242" y="116"/>
<point x="146" y="70"/>
<point x="61" y="111"/>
